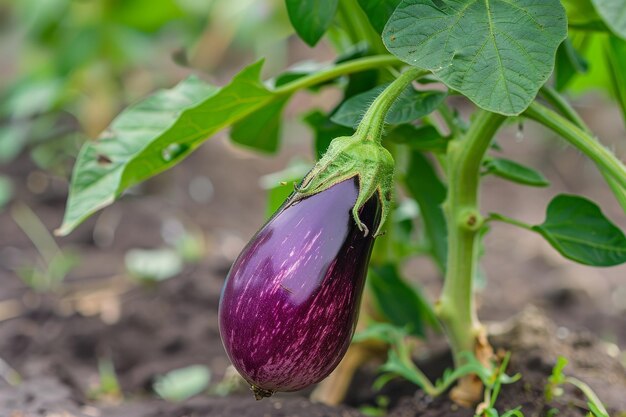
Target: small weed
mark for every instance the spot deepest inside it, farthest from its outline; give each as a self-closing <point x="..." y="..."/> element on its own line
<point x="554" y="388"/>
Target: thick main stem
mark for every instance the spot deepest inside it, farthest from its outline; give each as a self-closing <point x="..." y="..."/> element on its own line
<point x="456" y="307"/>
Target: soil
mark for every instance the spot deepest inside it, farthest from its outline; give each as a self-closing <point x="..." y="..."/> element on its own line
<point x="55" y="341"/>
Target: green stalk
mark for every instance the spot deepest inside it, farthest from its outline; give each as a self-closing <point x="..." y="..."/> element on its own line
<point x="373" y="123"/>
<point x="606" y="161"/>
<point x="356" y="65"/>
<point x="561" y="105"/>
<point x="456" y="307"/>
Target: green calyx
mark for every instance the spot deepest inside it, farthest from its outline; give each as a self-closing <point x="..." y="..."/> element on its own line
<point x="349" y="157"/>
<point x="362" y="155"/>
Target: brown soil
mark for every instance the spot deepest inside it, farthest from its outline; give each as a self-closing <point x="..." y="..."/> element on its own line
<point x="56" y="341"/>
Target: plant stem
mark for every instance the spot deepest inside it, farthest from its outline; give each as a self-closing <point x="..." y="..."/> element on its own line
<point x="373" y="123"/>
<point x="554" y="98"/>
<point x="560" y="104"/>
<point x="356" y="65"/>
<point x="448" y="118"/>
<point x="606" y="161"/>
<point x="505" y="219"/>
<point x="456" y="307"/>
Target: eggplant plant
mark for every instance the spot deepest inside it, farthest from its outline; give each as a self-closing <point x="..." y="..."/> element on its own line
<point x="291" y="300"/>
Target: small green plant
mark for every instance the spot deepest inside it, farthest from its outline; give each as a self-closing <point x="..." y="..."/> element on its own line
<point x="108" y="388"/>
<point x="492" y="389"/>
<point x="400" y="364"/>
<point x="53" y="264"/>
<point x="513" y="62"/>
<point x="556" y="381"/>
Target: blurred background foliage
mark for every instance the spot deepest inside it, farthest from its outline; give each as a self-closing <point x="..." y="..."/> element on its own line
<point x="69" y="66"/>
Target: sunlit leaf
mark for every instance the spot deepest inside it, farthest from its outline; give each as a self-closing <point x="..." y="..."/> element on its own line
<point x="311" y="18"/>
<point x="498" y="53"/>
<point x="577" y="228"/>
<point x="156" y="134"/>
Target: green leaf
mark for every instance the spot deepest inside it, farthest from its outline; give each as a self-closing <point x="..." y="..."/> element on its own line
<point x="400" y="303"/>
<point x="580" y="13"/>
<point x="325" y="130"/>
<point x="311" y="18"/>
<point x="183" y="383"/>
<point x="616" y="59"/>
<point x="498" y="53"/>
<point x="516" y="172"/>
<point x="568" y="63"/>
<point x="577" y="228"/>
<point x="613" y="12"/>
<point x="378" y="11"/>
<point x="261" y="130"/>
<point x="418" y="138"/>
<point x="156" y="134"/>
<point x="410" y="105"/>
<point x="424" y="185"/>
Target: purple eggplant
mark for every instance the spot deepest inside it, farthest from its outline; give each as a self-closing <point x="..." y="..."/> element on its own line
<point x="291" y="300"/>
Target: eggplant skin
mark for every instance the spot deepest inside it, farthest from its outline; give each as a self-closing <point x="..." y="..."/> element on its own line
<point x="291" y="300"/>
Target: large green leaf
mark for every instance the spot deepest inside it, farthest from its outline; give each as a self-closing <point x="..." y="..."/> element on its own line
<point x="516" y="172"/>
<point x="577" y="228"/>
<point x="498" y="53"/>
<point x="410" y="105"/>
<point x="311" y="18"/>
<point x="378" y="11"/>
<point x="613" y="12"/>
<point x="426" y="188"/>
<point x="156" y="134"/>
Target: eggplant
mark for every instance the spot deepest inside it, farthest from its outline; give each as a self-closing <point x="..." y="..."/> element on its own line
<point x="291" y="300"/>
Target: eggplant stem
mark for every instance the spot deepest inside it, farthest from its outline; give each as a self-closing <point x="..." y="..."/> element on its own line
<point x="260" y="393"/>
